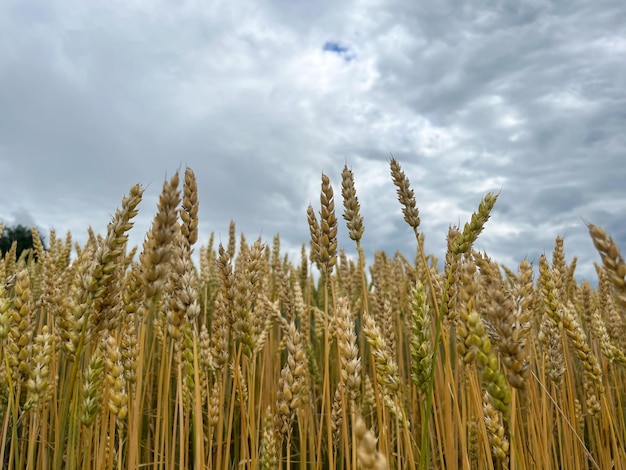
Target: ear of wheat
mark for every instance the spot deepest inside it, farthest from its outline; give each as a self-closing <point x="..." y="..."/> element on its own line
<point x="343" y="359"/>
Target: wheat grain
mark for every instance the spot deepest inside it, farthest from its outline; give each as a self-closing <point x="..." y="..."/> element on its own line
<point x="367" y="455"/>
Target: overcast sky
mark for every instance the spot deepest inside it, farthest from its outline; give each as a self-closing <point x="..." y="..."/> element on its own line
<point x="527" y="98"/>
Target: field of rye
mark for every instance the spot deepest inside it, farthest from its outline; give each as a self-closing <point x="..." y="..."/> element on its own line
<point x="113" y="357"/>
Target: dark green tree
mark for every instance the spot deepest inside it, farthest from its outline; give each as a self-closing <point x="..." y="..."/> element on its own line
<point x="20" y="234"/>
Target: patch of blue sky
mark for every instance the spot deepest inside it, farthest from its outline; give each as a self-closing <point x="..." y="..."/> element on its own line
<point x="341" y="50"/>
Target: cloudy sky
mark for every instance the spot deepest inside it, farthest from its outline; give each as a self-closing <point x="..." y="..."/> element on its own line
<point x="260" y="97"/>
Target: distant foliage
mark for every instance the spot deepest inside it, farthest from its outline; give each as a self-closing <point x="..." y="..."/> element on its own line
<point x="20" y="234"/>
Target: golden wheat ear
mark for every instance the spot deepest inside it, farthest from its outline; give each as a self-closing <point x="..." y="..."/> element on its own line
<point x="351" y="214"/>
<point x="612" y="261"/>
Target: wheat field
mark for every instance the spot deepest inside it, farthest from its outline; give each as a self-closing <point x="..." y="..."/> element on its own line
<point x="118" y="357"/>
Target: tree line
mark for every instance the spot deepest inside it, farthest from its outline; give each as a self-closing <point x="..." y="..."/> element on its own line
<point x="17" y="234"/>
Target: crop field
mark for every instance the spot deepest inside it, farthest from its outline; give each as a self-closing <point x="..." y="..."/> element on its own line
<point x="120" y="357"/>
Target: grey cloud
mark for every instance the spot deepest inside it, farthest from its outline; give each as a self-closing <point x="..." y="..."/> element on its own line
<point x="523" y="98"/>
